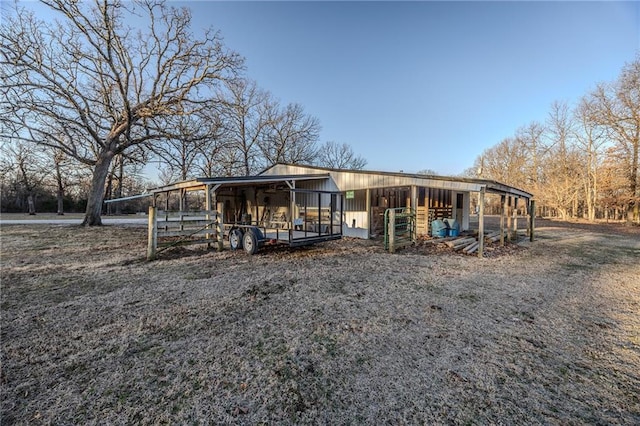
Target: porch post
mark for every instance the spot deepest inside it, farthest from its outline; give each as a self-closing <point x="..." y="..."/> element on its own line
<point x="515" y="219"/>
<point x="391" y="231"/>
<point x="481" y="222"/>
<point x="207" y="207"/>
<point x="532" y="219"/>
<point x="508" y="213"/>
<point x="152" y="242"/>
<point x="368" y="207"/>
<point x="503" y="209"/>
<point x="219" y="221"/>
<point x="292" y="207"/>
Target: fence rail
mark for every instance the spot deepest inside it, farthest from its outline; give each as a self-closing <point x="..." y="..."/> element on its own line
<point x="171" y="228"/>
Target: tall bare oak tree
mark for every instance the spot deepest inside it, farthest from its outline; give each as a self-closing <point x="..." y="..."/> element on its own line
<point x="92" y="87"/>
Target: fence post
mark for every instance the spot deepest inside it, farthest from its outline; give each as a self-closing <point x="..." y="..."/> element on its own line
<point x="152" y="242"/>
<point x="391" y="230"/>
<point x="219" y="218"/>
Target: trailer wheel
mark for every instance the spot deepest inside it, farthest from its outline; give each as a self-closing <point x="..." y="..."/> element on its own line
<point x="250" y="242"/>
<point x="235" y="239"/>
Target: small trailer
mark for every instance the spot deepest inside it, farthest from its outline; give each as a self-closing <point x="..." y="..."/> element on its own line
<point x="249" y="212"/>
<point x="311" y="224"/>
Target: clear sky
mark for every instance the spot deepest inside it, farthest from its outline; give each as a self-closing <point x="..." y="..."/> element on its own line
<point x="426" y="85"/>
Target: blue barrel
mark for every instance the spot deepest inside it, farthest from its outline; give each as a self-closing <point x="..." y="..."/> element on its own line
<point x="453" y="229"/>
<point x="438" y="228"/>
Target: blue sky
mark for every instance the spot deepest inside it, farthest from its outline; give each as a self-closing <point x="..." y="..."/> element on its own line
<point x="426" y="85"/>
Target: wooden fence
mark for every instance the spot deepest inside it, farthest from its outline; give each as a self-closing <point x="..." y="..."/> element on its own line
<point x="172" y="228"/>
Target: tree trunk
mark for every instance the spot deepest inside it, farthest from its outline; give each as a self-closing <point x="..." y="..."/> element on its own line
<point x="60" y="197"/>
<point x="32" y="204"/>
<point x="118" y="190"/>
<point x="634" y="191"/>
<point x="60" y="192"/>
<point x="93" y="213"/>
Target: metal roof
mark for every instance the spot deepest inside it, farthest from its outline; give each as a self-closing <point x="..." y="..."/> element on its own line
<point x="446" y="182"/>
<point x="203" y="182"/>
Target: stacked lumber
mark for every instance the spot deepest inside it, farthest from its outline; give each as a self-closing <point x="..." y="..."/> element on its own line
<point x="468" y="245"/>
<point x="471" y="248"/>
<point x="492" y="237"/>
<point x="460" y="243"/>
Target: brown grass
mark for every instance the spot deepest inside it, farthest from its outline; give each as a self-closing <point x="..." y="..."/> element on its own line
<point x="339" y="333"/>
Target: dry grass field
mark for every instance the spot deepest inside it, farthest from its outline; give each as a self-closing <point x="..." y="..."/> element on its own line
<point x="339" y="333"/>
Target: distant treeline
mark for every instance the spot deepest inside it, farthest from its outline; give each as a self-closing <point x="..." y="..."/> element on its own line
<point x="582" y="162"/>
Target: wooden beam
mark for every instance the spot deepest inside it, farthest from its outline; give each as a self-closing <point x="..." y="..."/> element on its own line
<point x="503" y="209"/>
<point x="219" y="220"/>
<point x="152" y="238"/>
<point x="508" y="213"/>
<point x="532" y="219"/>
<point x="368" y="207"/>
<point x="414" y="198"/>
<point x="292" y="207"/>
<point x="515" y="219"/>
<point x="481" y="222"/>
<point x="391" y="231"/>
<point x="207" y="206"/>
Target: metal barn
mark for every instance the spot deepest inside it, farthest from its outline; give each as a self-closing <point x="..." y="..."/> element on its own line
<point x="367" y="194"/>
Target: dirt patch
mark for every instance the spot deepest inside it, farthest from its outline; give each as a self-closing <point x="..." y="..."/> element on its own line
<point x="341" y="332"/>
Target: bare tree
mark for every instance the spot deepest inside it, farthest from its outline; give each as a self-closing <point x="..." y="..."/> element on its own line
<point x="590" y="140"/>
<point x="562" y="164"/>
<point x="26" y="169"/>
<point x="122" y="168"/>
<point x="339" y="156"/>
<point x="59" y="165"/>
<point x="505" y="162"/>
<point x="532" y="144"/>
<point x="427" y="172"/>
<point x="292" y="137"/>
<point x="92" y="87"/>
<point x="246" y="114"/>
<point x="183" y="146"/>
<point x="618" y="108"/>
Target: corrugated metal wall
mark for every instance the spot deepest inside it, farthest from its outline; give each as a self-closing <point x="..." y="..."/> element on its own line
<point x="352" y="180"/>
<point x="386" y="191"/>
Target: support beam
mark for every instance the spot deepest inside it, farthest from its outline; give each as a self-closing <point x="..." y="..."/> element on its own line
<point x="481" y="222"/>
<point x="532" y="219"/>
<point x="391" y="231"/>
<point x="152" y="239"/>
<point x="508" y="213"/>
<point x="368" y="207"/>
<point x="414" y="211"/>
<point x="515" y="219"/>
<point x="219" y="221"/>
<point x="503" y="209"/>
<point x="414" y="198"/>
<point x="292" y="207"/>
<point x="207" y="207"/>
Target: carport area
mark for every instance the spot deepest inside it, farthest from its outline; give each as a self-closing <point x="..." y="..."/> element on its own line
<point x="250" y="212"/>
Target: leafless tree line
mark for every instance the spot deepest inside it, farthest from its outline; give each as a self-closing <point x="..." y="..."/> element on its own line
<point x="582" y="162"/>
<point x="247" y="131"/>
<point x="106" y="98"/>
